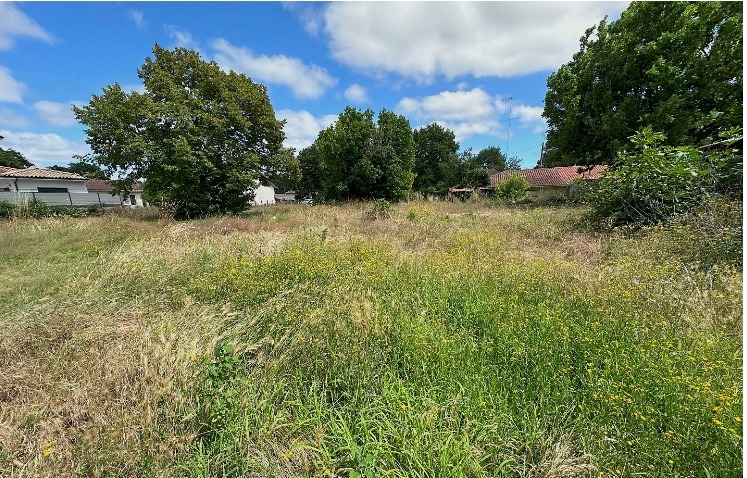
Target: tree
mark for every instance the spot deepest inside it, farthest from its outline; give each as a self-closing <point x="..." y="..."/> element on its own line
<point x="199" y="136"/>
<point x="513" y="189"/>
<point x="360" y="159"/>
<point x="311" y="179"/>
<point x="435" y="158"/>
<point x="674" y="66"/>
<point x="284" y="170"/>
<point x="491" y="158"/>
<point x="13" y="159"/>
<point x="85" y="166"/>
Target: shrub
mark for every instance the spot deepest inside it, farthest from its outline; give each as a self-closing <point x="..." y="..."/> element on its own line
<point x="513" y="189"/>
<point x="653" y="183"/>
<point x="548" y="199"/>
<point x="380" y="209"/>
<point x="7" y="209"/>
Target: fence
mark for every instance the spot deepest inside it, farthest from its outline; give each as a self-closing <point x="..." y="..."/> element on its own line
<point x="63" y="199"/>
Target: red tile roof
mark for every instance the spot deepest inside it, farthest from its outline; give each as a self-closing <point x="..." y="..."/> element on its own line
<point x="37" y="173"/>
<point x="107" y="186"/>
<point x="559" y="176"/>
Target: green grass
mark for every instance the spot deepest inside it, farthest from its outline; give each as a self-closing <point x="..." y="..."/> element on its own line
<point x="443" y="340"/>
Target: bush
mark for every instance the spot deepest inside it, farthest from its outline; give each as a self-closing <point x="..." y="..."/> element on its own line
<point x="548" y="199"/>
<point x="7" y="209"/>
<point x="513" y="190"/>
<point x="380" y="209"/>
<point x="654" y="183"/>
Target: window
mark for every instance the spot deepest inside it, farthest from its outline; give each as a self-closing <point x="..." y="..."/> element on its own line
<point x="132" y="199"/>
<point x="5" y="189"/>
<point x="51" y="190"/>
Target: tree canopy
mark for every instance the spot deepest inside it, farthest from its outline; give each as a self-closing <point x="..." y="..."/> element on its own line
<point x="491" y="158"/>
<point x="85" y="166"/>
<point x="360" y="159"/>
<point x="674" y="66"/>
<point x="13" y="159"/>
<point x="199" y="137"/>
<point x="310" y="184"/>
<point x="435" y="159"/>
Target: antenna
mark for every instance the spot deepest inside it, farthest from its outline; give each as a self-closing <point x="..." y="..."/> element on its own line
<point x="510" y="100"/>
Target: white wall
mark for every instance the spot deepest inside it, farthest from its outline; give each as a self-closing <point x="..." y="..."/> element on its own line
<point x="31" y="185"/>
<point x="264" y="195"/>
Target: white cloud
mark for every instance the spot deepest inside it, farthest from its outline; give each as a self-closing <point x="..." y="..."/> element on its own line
<point x="11" y="119"/>
<point x="423" y="40"/>
<point x="356" y="93"/>
<point x="43" y="149"/>
<point x="310" y="16"/>
<point x="182" y="38"/>
<point x="302" y="128"/>
<point x="14" y="23"/>
<point x="450" y="105"/>
<point x="58" y="114"/>
<point x="10" y="89"/>
<point x="305" y="81"/>
<point x="137" y="17"/>
<point x="472" y="112"/>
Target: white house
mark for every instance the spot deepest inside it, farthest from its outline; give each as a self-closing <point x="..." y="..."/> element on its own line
<point x="61" y="188"/>
<point x="103" y="187"/>
<point x="40" y="180"/>
<point x="264" y="194"/>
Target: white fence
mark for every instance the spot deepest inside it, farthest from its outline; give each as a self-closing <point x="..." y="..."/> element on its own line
<point x="63" y="199"/>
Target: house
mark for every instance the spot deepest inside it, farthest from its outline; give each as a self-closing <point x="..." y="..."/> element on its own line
<point x="287" y="196"/>
<point x="61" y="188"/>
<point x="264" y="195"/>
<point x="103" y="187"/>
<point x="40" y="180"/>
<point x="552" y="180"/>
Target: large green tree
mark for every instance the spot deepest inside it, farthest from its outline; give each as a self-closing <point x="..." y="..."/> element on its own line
<point x="435" y="159"/>
<point x="310" y="184"/>
<point x="674" y="66"/>
<point x="199" y="137"/>
<point x="491" y="157"/>
<point x="13" y="159"/>
<point x="86" y="166"/>
<point x="360" y="159"/>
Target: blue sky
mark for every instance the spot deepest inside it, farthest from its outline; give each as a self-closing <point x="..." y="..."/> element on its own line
<point x="469" y="66"/>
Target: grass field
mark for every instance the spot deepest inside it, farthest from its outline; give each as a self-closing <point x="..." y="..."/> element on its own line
<point x="446" y="340"/>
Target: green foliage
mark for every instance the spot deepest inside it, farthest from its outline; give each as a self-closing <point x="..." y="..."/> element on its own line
<point x="655" y="182"/>
<point x="674" y="66"/>
<point x="491" y="158"/>
<point x="310" y="183"/>
<point x="513" y="189"/>
<point x="38" y="209"/>
<point x="199" y="136"/>
<point x="435" y="159"/>
<point x="13" y="159"/>
<point x="379" y="209"/>
<point x="283" y="170"/>
<point x="362" y="160"/>
<point x="86" y="166"/>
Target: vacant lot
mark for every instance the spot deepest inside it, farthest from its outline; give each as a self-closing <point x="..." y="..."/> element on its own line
<point x="443" y="340"/>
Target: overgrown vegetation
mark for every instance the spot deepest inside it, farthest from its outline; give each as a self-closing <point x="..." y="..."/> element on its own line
<point x="443" y="340"/>
<point x="38" y="209"/>
<point x="513" y="189"/>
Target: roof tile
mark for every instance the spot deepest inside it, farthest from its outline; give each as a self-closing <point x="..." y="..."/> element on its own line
<point x="558" y="176"/>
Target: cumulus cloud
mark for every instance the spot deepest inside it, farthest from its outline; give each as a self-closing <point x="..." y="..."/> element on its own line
<point x="11" y="119"/>
<point x="302" y="128"/>
<point x="425" y="40"/>
<point x="356" y="94"/>
<point x="57" y="114"/>
<point x="10" y="89"/>
<point x="137" y="17"/>
<point x="43" y="149"/>
<point x="305" y="81"/>
<point x="14" y="24"/>
<point x="471" y="112"/>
